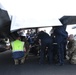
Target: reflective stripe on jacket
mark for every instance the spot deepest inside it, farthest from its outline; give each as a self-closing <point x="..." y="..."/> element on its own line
<point x="17" y="46"/>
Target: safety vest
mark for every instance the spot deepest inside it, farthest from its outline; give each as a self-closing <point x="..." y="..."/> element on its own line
<point x="17" y="46"/>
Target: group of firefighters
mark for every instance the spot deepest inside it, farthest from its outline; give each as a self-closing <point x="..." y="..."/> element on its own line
<point x="57" y="47"/>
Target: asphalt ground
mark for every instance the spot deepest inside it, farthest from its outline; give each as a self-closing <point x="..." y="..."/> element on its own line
<point x="32" y="67"/>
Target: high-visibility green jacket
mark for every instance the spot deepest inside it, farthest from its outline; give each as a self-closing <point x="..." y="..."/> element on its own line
<point x="17" y="45"/>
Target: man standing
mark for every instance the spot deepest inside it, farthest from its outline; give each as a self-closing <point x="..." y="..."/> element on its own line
<point x="45" y="41"/>
<point x="18" y="50"/>
<point x="60" y="38"/>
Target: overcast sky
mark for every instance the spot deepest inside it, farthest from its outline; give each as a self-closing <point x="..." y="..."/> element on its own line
<point x="40" y="9"/>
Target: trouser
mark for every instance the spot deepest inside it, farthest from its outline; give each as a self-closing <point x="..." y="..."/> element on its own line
<point x="50" y="55"/>
<point x="60" y="42"/>
<point x="61" y="53"/>
<point x="43" y="51"/>
<point x="22" y="60"/>
<point x="55" y="53"/>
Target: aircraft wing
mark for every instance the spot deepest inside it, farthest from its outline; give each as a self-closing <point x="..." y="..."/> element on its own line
<point x="18" y="23"/>
<point x="68" y="20"/>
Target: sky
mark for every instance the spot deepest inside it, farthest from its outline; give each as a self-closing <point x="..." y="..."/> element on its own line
<point x="40" y="10"/>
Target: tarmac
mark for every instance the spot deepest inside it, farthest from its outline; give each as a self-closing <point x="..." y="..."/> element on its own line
<point x="32" y="67"/>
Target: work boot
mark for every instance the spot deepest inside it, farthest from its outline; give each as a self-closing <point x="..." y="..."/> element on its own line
<point x="60" y="64"/>
<point x="16" y="61"/>
<point x="22" y="60"/>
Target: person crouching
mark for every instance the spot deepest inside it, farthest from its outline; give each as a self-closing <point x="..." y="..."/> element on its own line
<point x="18" y="51"/>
